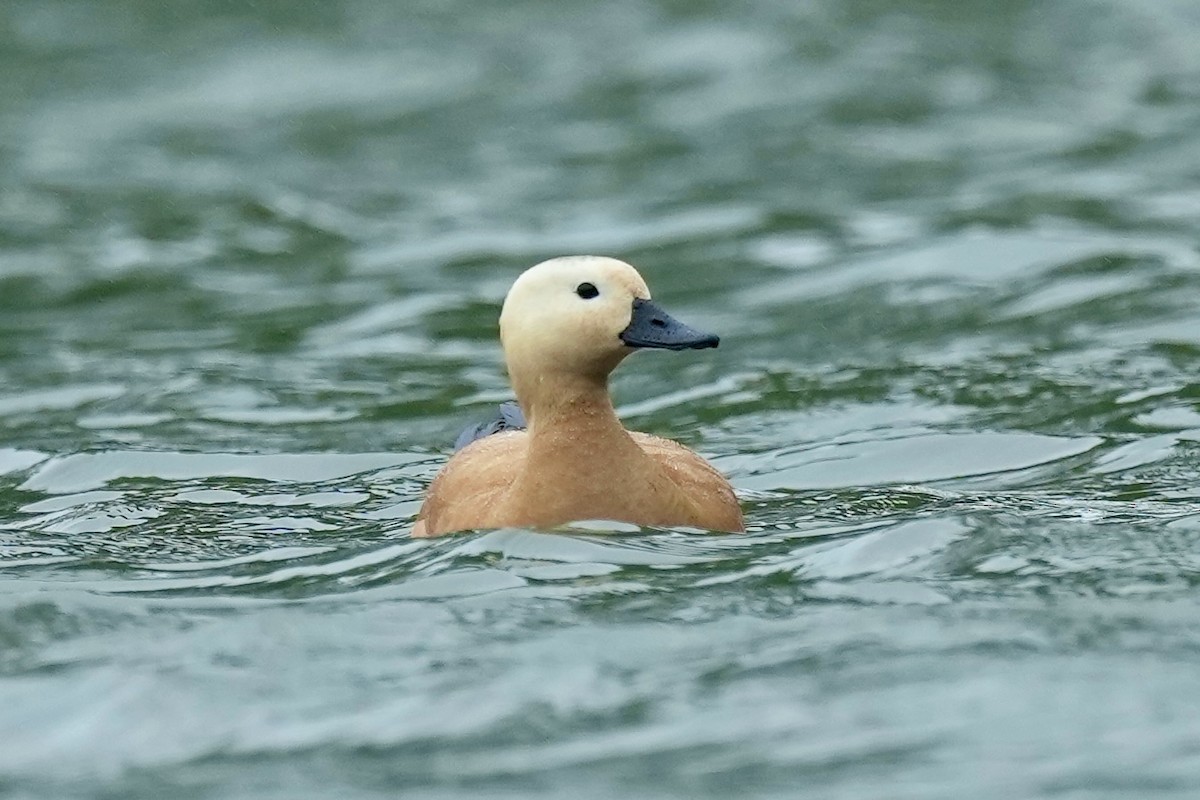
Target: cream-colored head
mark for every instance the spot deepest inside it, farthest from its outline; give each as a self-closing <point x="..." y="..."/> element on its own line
<point x="567" y="315"/>
<point x="577" y="317"/>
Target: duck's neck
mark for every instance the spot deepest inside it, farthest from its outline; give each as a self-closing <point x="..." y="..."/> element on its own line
<point x="581" y="463"/>
<point x="564" y="408"/>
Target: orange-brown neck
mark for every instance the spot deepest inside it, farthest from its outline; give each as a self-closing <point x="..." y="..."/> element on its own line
<point x="571" y="418"/>
<point x="581" y="463"/>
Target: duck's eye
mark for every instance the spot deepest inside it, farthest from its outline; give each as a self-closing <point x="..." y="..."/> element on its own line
<point x="587" y="291"/>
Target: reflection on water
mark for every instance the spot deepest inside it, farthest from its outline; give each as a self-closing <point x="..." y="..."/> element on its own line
<point x="250" y="265"/>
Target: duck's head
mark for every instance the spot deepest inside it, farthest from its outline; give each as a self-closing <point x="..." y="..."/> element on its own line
<point x="582" y="315"/>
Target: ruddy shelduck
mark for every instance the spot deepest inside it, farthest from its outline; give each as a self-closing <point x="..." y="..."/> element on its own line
<point x="565" y="326"/>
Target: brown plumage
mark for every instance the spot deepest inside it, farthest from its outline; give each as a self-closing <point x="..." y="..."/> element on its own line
<point x="576" y="461"/>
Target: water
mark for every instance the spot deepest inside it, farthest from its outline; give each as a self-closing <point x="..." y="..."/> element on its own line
<point x="251" y="257"/>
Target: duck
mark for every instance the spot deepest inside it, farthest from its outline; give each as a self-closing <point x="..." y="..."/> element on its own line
<point x="561" y="454"/>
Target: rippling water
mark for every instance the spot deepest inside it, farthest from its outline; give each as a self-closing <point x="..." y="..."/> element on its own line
<point x="251" y="257"/>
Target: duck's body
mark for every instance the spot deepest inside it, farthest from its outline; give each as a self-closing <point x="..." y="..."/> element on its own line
<point x="589" y="467"/>
<point x="576" y="460"/>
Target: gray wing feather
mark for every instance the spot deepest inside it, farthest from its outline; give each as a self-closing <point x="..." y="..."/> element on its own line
<point x="508" y="417"/>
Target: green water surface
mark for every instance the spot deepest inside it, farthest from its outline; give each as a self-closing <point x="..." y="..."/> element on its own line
<point x="251" y="259"/>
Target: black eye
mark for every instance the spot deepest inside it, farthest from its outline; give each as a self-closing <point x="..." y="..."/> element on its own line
<point x="587" y="291"/>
